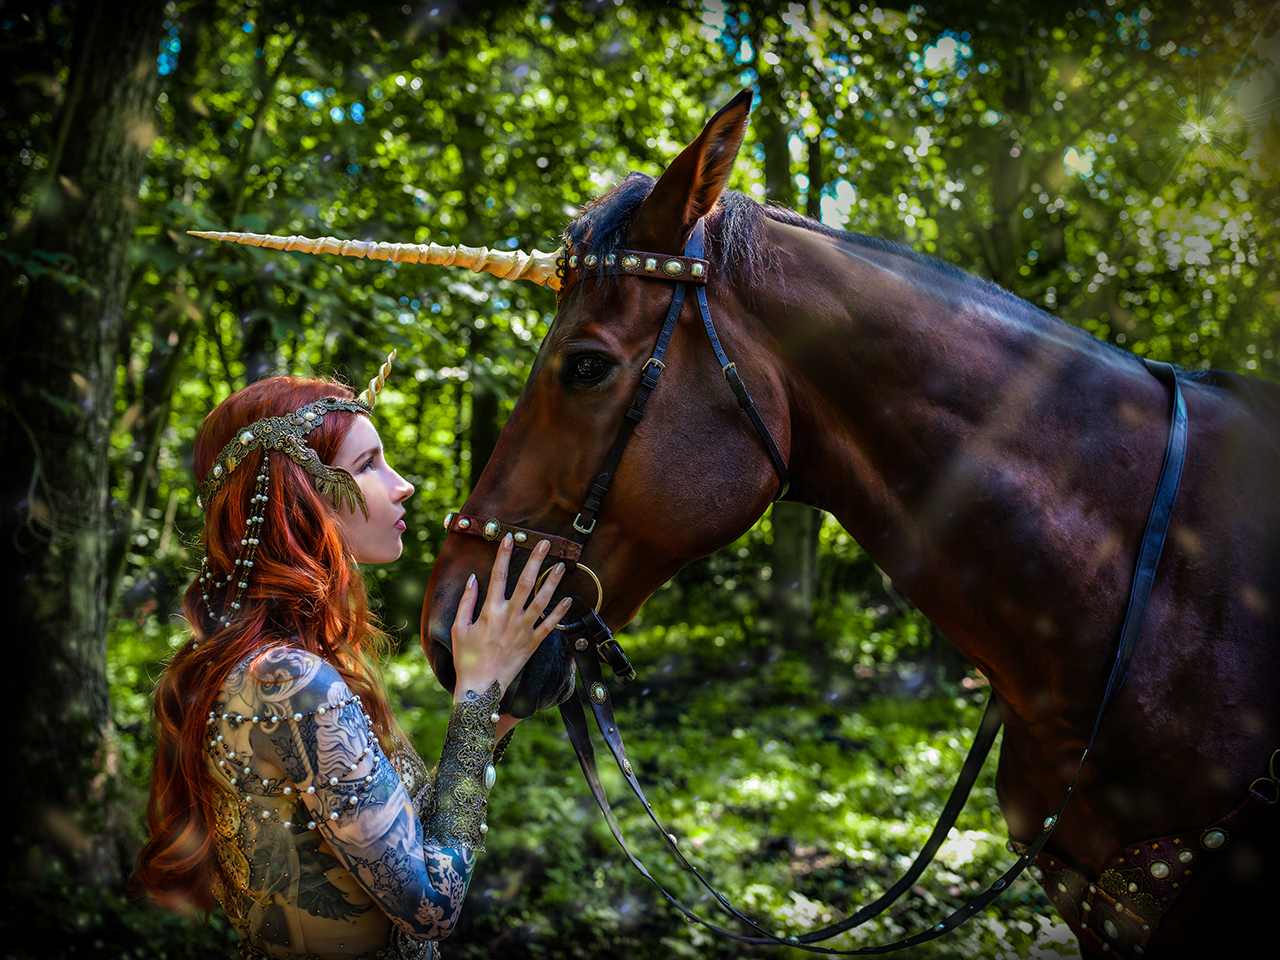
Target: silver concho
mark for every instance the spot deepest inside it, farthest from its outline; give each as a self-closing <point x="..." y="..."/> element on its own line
<point x="1213" y="839"/>
<point x="598" y="692"/>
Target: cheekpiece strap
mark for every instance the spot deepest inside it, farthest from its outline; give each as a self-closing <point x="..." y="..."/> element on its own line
<point x="635" y="263"/>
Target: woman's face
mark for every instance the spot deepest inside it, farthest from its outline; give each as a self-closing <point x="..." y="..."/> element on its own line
<point x="376" y="539"/>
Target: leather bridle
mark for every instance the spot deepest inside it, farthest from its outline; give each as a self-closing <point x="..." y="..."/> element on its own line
<point x="589" y="631"/>
<point x="689" y="269"/>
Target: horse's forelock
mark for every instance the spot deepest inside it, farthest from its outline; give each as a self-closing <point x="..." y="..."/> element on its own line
<point x="601" y="228"/>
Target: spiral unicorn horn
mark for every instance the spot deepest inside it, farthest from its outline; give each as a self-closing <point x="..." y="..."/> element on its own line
<point x="369" y="396"/>
<point x="536" y="267"/>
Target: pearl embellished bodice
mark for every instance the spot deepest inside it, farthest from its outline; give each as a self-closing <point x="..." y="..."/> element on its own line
<point x="282" y="884"/>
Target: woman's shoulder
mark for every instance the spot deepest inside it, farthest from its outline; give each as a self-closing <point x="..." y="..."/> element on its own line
<point x="288" y="680"/>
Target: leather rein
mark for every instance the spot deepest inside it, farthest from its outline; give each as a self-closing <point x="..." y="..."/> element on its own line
<point x="593" y="641"/>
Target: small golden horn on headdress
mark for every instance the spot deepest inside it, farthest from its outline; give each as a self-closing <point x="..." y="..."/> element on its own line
<point x="536" y="267"/>
<point x="369" y="396"/>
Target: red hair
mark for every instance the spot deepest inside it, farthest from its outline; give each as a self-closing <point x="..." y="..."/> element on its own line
<point x="305" y="591"/>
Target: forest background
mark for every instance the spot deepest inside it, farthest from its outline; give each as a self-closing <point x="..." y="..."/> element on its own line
<point x="797" y="720"/>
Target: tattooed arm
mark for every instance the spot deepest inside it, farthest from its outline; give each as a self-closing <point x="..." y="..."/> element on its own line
<point x="325" y="749"/>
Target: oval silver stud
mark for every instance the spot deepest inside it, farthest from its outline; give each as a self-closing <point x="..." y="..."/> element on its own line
<point x="246" y="438"/>
<point x="673" y="268"/>
<point x="573" y="261"/>
<point x="217" y="470"/>
<point x="448" y="519"/>
<point x="1110" y="927"/>
<point x="1159" y="869"/>
<point x="626" y="767"/>
<point x="464" y="524"/>
<point x="697" y="269"/>
<point x="631" y="262"/>
<point x="590" y="260"/>
<point x="598" y="692"/>
<point x="1185" y="856"/>
<point x="521" y="537"/>
<point x="490" y="777"/>
<point x="650" y="264"/>
<point x="1213" y="839"/>
<point x="580" y="643"/>
<point x="1036" y="873"/>
<point x="491" y="530"/>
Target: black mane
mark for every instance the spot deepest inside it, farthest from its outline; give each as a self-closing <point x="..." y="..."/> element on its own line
<point x="602" y="226"/>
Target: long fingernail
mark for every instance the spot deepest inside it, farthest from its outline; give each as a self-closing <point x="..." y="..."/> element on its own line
<point x="559" y="569"/>
<point x="506" y="541"/>
<point x="544" y="545"/>
<point x="471" y="581"/>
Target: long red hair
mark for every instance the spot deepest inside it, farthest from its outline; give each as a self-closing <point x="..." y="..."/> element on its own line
<point x="305" y="591"/>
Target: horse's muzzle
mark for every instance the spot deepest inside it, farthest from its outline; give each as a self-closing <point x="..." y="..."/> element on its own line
<point x="546" y="680"/>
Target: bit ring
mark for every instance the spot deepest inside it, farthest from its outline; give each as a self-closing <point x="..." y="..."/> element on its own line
<point x="585" y="569"/>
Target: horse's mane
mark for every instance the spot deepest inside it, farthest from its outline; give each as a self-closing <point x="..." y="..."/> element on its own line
<point x="602" y="228"/>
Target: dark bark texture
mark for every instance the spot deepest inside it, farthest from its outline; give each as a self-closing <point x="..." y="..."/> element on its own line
<point x="57" y="386"/>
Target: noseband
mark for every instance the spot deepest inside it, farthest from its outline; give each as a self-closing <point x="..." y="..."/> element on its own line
<point x="689" y="269"/>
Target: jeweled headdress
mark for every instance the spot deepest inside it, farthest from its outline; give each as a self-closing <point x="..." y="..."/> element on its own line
<point x="288" y="435"/>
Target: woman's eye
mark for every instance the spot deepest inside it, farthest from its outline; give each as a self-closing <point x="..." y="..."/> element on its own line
<point x="588" y="368"/>
<point x="368" y="465"/>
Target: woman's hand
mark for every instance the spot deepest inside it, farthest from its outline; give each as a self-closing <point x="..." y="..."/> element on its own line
<point x="498" y="643"/>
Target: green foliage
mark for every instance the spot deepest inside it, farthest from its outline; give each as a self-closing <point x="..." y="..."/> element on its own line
<point x="1114" y="163"/>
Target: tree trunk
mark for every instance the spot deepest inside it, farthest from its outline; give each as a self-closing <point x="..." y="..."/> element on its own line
<point x="484" y="427"/>
<point x="58" y="381"/>
<point x="795" y="525"/>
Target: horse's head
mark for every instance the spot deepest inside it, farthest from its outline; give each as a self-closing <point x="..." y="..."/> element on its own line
<point x="693" y="476"/>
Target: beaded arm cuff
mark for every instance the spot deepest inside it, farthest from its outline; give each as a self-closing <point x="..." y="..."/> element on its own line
<point x="465" y="774"/>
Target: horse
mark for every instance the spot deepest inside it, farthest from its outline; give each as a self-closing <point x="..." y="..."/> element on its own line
<point x="997" y="463"/>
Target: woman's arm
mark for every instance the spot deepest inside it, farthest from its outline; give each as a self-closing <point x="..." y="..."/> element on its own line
<point x="325" y="745"/>
<point x="329" y="755"/>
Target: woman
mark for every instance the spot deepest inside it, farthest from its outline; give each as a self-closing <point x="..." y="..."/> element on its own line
<point x="282" y="786"/>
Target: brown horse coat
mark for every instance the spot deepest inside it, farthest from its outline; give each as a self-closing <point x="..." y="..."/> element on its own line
<point x="997" y="463"/>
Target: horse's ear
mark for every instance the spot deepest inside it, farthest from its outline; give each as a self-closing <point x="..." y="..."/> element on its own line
<point x="693" y="183"/>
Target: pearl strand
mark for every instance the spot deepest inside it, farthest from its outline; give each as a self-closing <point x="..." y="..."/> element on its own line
<point x="244" y="564"/>
<point x="286" y="790"/>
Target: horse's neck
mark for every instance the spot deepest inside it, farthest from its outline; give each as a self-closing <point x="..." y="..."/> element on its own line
<point x="974" y="447"/>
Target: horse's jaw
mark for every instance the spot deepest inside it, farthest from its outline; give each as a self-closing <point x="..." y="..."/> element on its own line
<point x="546" y="680"/>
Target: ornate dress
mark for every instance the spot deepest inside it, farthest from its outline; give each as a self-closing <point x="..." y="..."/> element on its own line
<point x="319" y="833"/>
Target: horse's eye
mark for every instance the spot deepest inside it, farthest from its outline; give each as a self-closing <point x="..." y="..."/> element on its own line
<point x="587" y="368"/>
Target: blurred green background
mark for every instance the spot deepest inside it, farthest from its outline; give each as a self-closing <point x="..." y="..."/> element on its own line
<point x="794" y="717"/>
